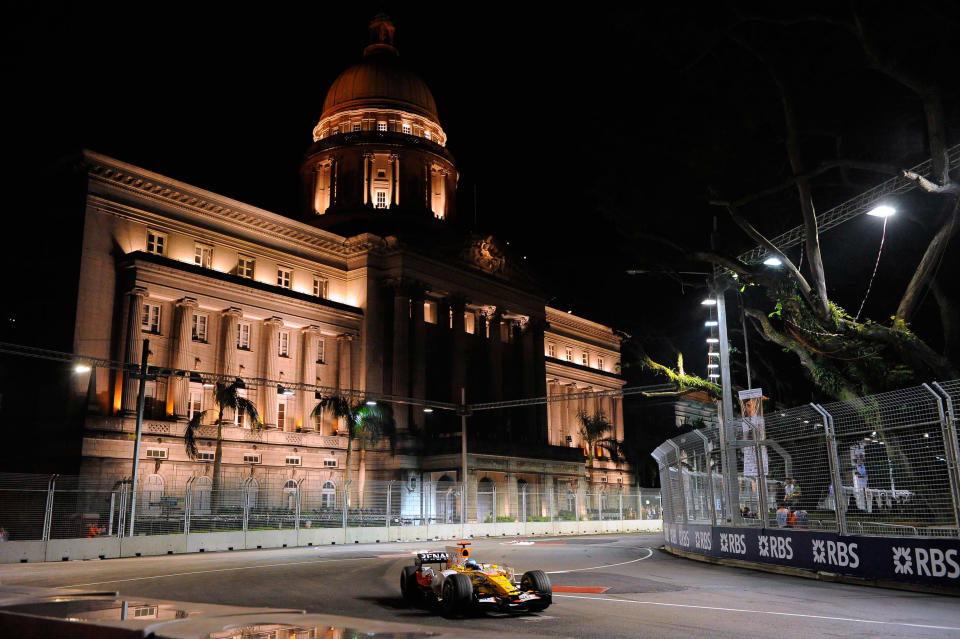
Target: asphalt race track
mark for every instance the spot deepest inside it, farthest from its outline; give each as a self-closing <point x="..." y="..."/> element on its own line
<point x="605" y="586"/>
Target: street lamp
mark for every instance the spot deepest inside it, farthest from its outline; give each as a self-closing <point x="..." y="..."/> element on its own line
<point x="82" y="368"/>
<point x="883" y="210"/>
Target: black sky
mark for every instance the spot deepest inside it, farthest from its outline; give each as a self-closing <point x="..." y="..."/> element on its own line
<point x="575" y="128"/>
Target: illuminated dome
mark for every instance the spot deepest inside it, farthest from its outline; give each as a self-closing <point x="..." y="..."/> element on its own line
<point x="380" y="80"/>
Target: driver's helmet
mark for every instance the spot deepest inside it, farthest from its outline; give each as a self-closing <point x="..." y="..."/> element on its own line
<point x="471" y="564"/>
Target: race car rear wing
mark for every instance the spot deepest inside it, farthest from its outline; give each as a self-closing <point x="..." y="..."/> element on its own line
<point x="432" y="558"/>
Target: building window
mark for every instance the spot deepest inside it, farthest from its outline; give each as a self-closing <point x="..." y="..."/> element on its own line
<point x="243" y="336"/>
<point x="430" y="312"/>
<point x="569" y="354"/>
<point x="203" y="255"/>
<point x="320" y="350"/>
<point x="381" y="174"/>
<point x="469" y="322"/>
<point x="245" y="265"/>
<point x="145" y="611"/>
<point x="292" y="460"/>
<point x="281" y="414"/>
<point x="156" y="453"/>
<point x="406" y="128"/>
<point x="569" y="440"/>
<point x="381" y="126"/>
<point x="356" y="126"/>
<point x="150" y="319"/>
<point x="195" y="404"/>
<point x="205" y="456"/>
<point x="284" y="275"/>
<point x="156" y="242"/>
<point x="336" y="131"/>
<point x="426" y="134"/>
<point x="584" y="359"/>
<point x="381" y="202"/>
<point x="199" y="331"/>
<point x="319" y="286"/>
<point x="551" y="350"/>
<point x="284" y="349"/>
<point x="240" y="419"/>
<point x="600" y="363"/>
<point x="251" y="458"/>
<point x="329" y="463"/>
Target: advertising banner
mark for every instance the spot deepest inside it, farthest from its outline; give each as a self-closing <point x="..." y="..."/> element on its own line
<point x="927" y="561"/>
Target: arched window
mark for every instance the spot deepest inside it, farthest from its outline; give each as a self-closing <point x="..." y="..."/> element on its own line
<point x="202" y="489"/>
<point x="252" y="492"/>
<point x="486" y="496"/>
<point x="328" y="495"/>
<point x="290" y="494"/>
<point x="152" y="494"/>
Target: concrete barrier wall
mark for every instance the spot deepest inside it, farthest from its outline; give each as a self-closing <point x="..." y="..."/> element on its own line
<point x="152" y="545"/>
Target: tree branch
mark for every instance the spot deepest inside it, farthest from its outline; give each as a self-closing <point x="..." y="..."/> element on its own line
<point x="927" y="267"/>
<point x="949" y="187"/>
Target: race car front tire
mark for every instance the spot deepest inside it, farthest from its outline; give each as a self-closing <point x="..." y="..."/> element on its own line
<point x="457" y="595"/>
<point x="409" y="587"/>
<point x="537" y="581"/>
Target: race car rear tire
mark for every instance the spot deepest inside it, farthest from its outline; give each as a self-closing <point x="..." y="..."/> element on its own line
<point x="457" y="595"/>
<point x="409" y="587"/>
<point x="537" y="581"/>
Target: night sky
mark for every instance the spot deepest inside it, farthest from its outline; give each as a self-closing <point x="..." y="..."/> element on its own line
<point x="579" y="133"/>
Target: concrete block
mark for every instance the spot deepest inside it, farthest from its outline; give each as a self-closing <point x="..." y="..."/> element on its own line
<point x="147" y="545"/>
<point x="94" y="548"/>
<point x="12" y="552"/>
<point x="271" y="538"/>
<point x="209" y="542"/>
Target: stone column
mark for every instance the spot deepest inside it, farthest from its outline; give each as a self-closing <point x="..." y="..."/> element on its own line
<point x="134" y="347"/>
<point x="334" y="184"/>
<point x="344" y="346"/>
<point x="369" y="161"/>
<point x="418" y="357"/>
<point x="394" y="191"/>
<point x="308" y="375"/>
<point x="401" y="353"/>
<point x="229" y="334"/>
<point x="616" y="404"/>
<point x="271" y="366"/>
<point x="549" y="497"/>
<point x="458" y="352"/>
<point x="178" y="389"/>
<point x="582" y="496"/>
<point x="471" y="496"/>
<point x="511" y="503"/>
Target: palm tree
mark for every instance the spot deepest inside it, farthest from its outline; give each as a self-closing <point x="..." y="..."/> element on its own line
<point x="592" y="431"/>
<point x="367" y="423"/>
<point x="224" y="396"/>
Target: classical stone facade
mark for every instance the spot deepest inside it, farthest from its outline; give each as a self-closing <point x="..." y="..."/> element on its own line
<point x="374" y="288"/>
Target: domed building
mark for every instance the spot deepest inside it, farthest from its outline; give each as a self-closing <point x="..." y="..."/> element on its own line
<point x="370" y="291"/>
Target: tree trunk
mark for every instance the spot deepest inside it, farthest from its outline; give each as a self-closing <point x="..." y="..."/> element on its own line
<point x="927" y="267"/>
<point x="217" y="458"/>
<point x="949" y="320"/>
<point x="361" y="474"/>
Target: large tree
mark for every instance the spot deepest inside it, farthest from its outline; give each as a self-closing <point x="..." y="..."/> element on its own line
<point x="845" y="355"/>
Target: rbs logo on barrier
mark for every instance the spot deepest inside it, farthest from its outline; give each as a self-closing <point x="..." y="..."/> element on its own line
<point x="772" y="546"/>
<point x="733" y="543"/>
<point x="835" y="553"/>
<point x="703" y="540"/>
<point x="932" y="562"/>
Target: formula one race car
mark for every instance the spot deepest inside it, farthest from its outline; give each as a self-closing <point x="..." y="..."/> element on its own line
<point x="461" y="585"/>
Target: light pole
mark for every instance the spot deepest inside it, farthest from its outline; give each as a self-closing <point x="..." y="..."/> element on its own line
<point x="136" y="444"/>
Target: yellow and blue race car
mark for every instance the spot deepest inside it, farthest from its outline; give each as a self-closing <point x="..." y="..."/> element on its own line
<point x="461" y="585"/>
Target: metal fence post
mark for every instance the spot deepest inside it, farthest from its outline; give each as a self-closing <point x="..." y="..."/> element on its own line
<point x="707" y="454"/>
<point x="683" y="496"/>
<point x="245" y="500"/>
<point x="187" y="505"/>
<point x="113" y="498"/>
<point x="949" y="447"/>
<point x="48" y="509"/>
<point x="346" y="492"/>
<point x="122" y="510"/>
<point x="839" y="499"/>
<point x="296" y="512"/>
<point x="620" y="505"/>
<point x="389" y="507"/>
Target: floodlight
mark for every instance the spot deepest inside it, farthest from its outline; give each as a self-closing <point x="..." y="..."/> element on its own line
<point x="714" y="353"/>
<point x="713" y="365"/>
<point x="714" y="375"/>
<point x="428" y="410"/>
<point x="711" y="323"/>
<point x="371" y="403"/>
<point x="82" y="368"/>
<point x="882" y="211"/>
<point x="709" y="302"/>
<point x="772" y="261"/>
<point x="712" y="340"/>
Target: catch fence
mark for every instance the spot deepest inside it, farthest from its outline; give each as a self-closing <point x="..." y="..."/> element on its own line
<point x="42" y="508"/>
<point x="885" y="464"/>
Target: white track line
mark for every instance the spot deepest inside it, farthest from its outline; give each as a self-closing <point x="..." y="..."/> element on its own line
<point x="201" y="572"/>
<point x="557" y="572"/>
<point x="766" y="612"/>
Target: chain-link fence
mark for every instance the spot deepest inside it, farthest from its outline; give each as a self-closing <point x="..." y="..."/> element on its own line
<point x="54" y="507"/>
<point x="885" y="464"/>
